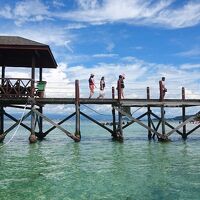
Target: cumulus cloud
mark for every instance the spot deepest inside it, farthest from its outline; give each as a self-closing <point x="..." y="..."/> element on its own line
<point x="27" y="10"/>
<point x="51" y="35"/>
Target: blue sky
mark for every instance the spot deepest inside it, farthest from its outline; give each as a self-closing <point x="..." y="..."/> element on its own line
<point x="144" y="39"/>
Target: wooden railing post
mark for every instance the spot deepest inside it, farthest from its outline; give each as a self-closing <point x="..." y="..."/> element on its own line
<point x="183" y="93"/>
<point x="161" y="90"/>
<point x="113" y="93"/>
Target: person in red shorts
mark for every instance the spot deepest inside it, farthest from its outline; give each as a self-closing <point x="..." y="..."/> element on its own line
<point x="91" y="85"/>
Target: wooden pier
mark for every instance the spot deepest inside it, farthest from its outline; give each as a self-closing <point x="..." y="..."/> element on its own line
<point x="24" y="93"/>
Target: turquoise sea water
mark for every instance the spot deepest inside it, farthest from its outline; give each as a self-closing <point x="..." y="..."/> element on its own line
<point x="98" y="168"/>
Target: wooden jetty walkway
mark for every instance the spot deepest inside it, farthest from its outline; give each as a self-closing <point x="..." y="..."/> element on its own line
<point x="28" y="93"/>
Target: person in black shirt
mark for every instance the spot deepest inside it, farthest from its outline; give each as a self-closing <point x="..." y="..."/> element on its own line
<point x="102" y="86"/>
<point x="121" y="82"/>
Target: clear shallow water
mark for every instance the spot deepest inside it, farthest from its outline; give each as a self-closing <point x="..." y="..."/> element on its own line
<point x="98" y="168"/>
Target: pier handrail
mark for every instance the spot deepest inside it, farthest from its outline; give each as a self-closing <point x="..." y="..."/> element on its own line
<point x="15" y="87"/>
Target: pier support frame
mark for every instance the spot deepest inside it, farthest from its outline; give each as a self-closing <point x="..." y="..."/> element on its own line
<point x="40" y="119"/>
<point x="119" y="128"/>
<point x="149" y="115"/>
<point x="184" y="135"/>
<point x="2" y="136"/>
<point x="114" y="135"/>
<point x="32" y="137"/>
<point x="77" y="108"/>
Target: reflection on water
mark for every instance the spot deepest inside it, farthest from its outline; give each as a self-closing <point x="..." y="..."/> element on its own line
<point x="99" y="168"/>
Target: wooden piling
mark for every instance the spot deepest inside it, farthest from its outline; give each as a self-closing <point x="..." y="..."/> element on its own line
<point x="184" y="135"/>
<point x="113" y="114"/>
<point x="33" y="138"/>
<point x="119" y="129"/>
<point x="2" y="109"/>
<point x="149" y="114"/>
<point x="77" y="107"/>
<point x="163" y="119"/>
<point x="40" y="121"/>
<point x="162" y="110"/>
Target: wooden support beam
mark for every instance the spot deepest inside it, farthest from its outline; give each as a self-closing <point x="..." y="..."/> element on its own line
<point x="182" y="124"/>
<point x="163" y="119"/>
<point x="139" y="122"/>
<point x="149" y="114"/>
<point x="59" y="123"/>
<point x="77" y="107"/>
<point x="154" y="127"/>
<point x="184" y="135"/>
<point x="2" y="119"/>
<point x="16" y="106"/>
<point x="96" y="122"/>
<point x="2" y="136"/>
<point x="33" y="138"/>
<point x="17" y="122"/>
<point x="194" y="129"/>
<point x="132" y="121"/>
<point x="167" y="124"/>
<point x="76" y="139"/>
<point x="40" y="74"/>
<point x="119" y="129"/>
<point x="113" y="114"/>
<point x="40" y="121"/>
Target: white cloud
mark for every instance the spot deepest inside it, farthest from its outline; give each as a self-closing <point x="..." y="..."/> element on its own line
<point x="27" y="10"/>
<point x="58" y="36"/>
<point x="190" y="53"/>
<point x="88" y="4"/>
<point x="140" y="12"/>
<point x="75" y="26"/>
<point x="58" y="3"/>
<point x="109" y="55"/>
<point x="110" y="46"/>
<point x="163" y="13"/>
<point x="189" y="66"/>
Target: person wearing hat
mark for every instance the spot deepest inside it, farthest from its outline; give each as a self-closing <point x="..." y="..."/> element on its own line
<point x="102" y="86"/>
<point x="122" y="86"/>
<point x="91" y="85"/>
<point x="163" y="88"/>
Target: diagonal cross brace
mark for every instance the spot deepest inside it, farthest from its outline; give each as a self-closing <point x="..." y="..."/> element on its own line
<point x="183" y="124"/>
<point x="17" y="122"/>
<point x="56" y="125"/>
<point x="138" y="121"/>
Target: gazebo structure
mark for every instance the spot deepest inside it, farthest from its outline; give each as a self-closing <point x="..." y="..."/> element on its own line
<point x="20" y="52"/>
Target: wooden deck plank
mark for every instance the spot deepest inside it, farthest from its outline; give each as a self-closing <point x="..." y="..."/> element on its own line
<point x="124" y="102"/>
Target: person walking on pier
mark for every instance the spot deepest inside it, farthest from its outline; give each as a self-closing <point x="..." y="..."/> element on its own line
<point x="91" y="85"/>
<point x="102" y="86"/>
<point x="163" y="88"/>
<point x="120" y="84"/>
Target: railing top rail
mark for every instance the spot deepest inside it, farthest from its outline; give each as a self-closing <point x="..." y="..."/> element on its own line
<point x="16" y="79"/>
